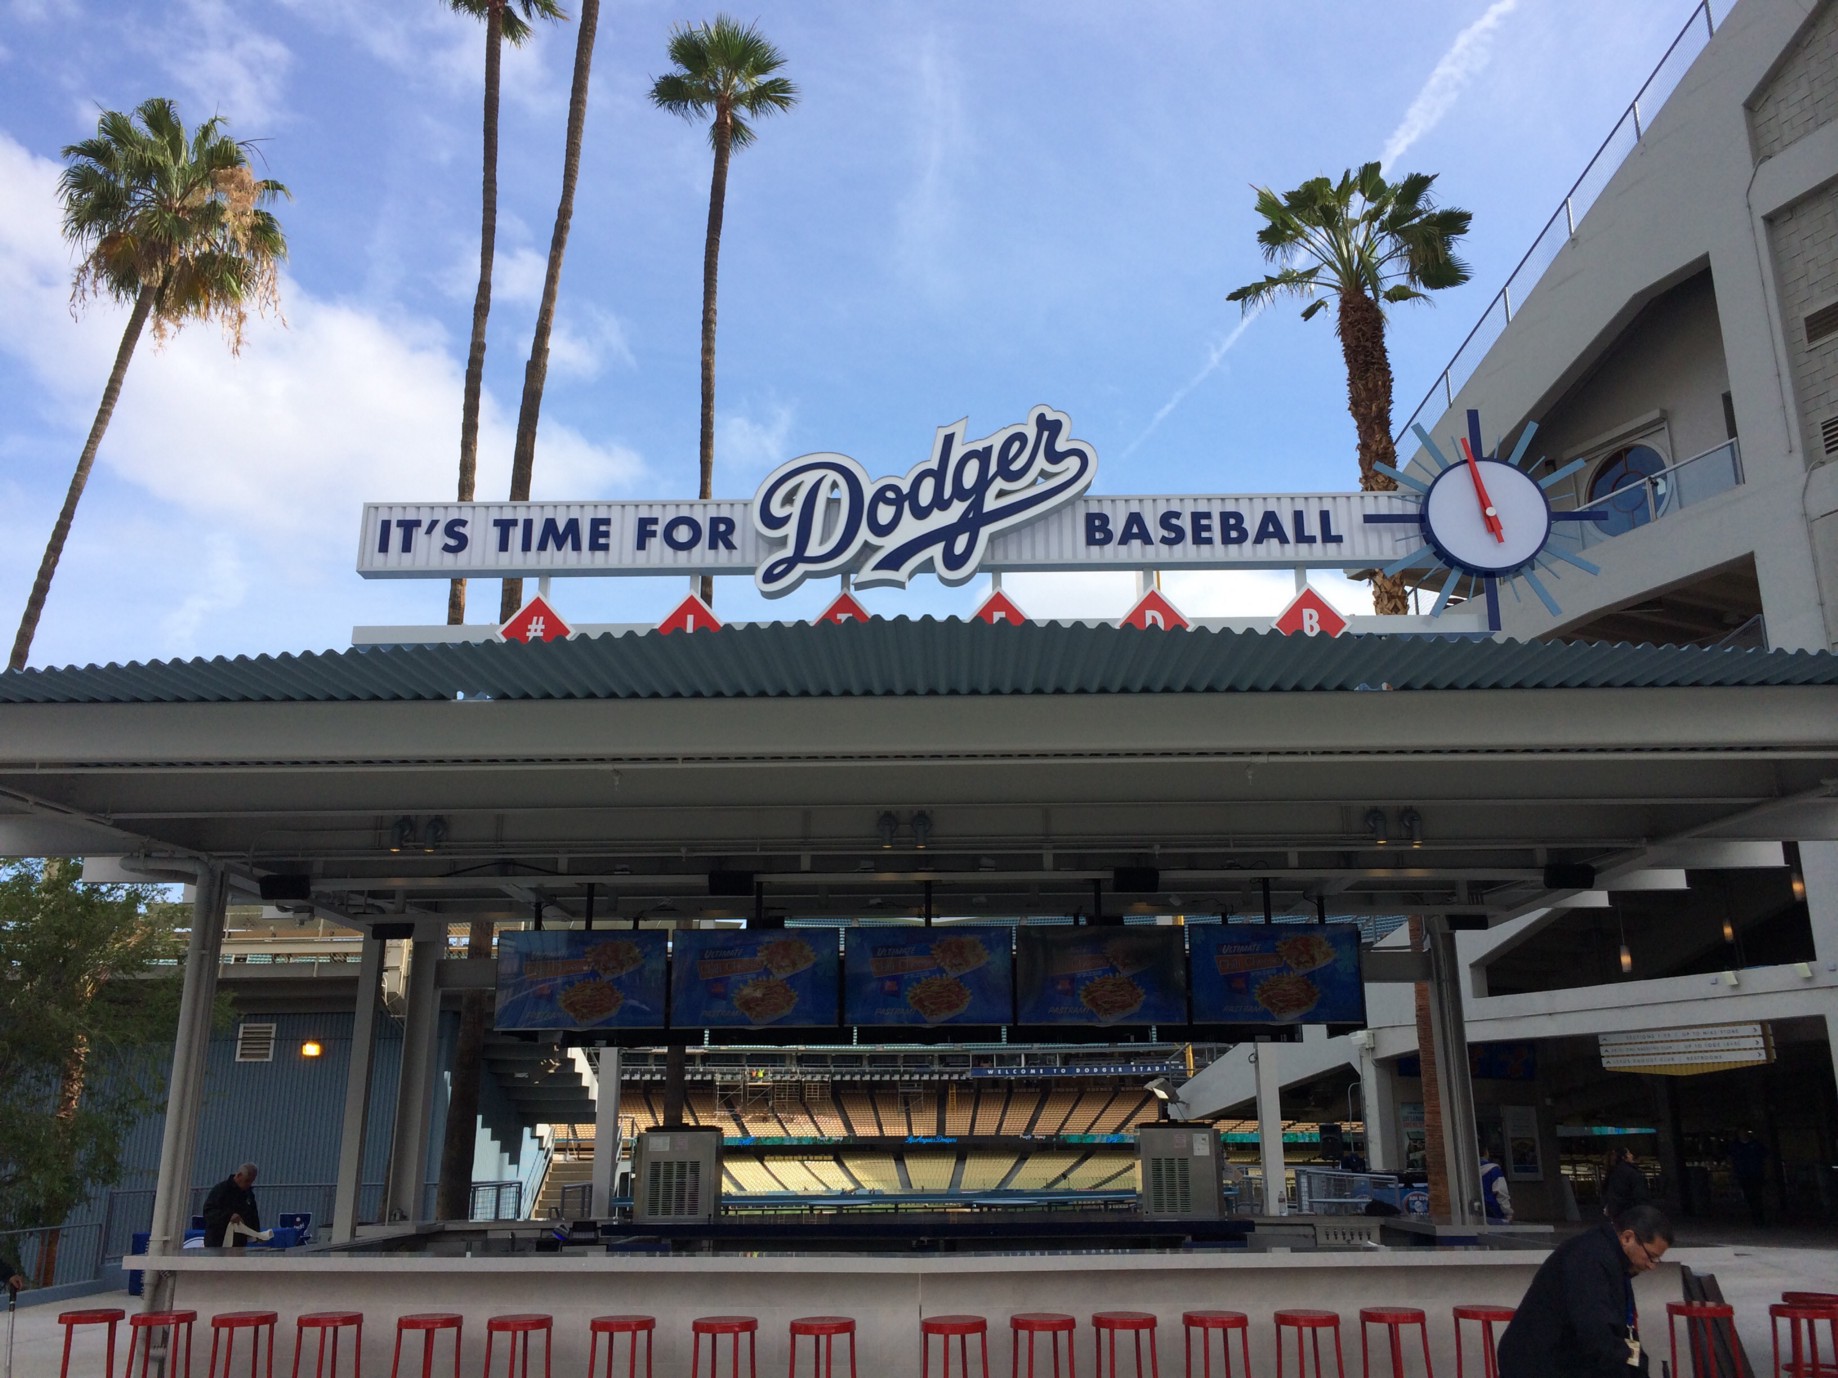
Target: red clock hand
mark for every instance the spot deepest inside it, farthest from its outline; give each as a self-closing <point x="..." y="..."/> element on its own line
<point x="1488" y="514"/>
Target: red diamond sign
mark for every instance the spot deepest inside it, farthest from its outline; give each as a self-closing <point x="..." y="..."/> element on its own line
<point x="844" y="609"/>
<point x="691" y="615"/>
<point x="999" y="607"/>
<point x="1311" y="615"/>
<point x="535" y="621"/>
<point x="1154" y="611"/>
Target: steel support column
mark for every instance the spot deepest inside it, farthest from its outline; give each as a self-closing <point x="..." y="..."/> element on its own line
<point x="408" y="1167"/>
<point x="1378" y="1108"/>
<point x="357" y="1091"/>
<point x="1270" y="1131"/>
<point x="606" y="1132"/>
<point x="185" y="1089"/>
<point x="1460" y="1146"/>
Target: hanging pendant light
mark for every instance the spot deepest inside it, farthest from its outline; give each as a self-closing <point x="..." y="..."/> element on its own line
<point x="1627" y="957"/>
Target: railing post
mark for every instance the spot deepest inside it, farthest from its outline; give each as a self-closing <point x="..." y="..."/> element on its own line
<point x="1506" y="296"/>
<point x="1448" y="389"/>
<point x="1635" y="107"/>
<point x="1569" y="218"/>
<point x="1710" y="23"/>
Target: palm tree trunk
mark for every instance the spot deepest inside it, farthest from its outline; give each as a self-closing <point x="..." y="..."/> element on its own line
<point x="60" y="532"/>
<point x="711" y="258"/>
<point x="1361" y="327"/>
<point x="481" y="302"/>
<point x="536" y="371"/>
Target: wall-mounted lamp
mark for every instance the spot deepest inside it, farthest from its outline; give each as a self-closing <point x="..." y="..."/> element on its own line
<point x="922" y="829"/>
<point x="311" y="1048"/>
<point x="1412" y="823"/>
<point x="402" y="833"/>
<point x="1377" y="827"/>
<point x="433" y="834"/>
<point x="888" y="826"/>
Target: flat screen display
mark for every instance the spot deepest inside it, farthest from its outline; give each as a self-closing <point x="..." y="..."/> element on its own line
<point x="569" y="979"/>
<point x="961" y="974"/>
<point x="1282" y="974"/>
<point x="764" y="978"/>
<point x="1100" y="976"/>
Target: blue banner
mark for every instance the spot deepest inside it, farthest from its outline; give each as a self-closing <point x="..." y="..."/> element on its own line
<point x="575" y="980"/>
<point x="956" y="975"/>
<point x="1280" y="974"/>
<point x="1100" y="976"/>
<point x="736" y="978"/>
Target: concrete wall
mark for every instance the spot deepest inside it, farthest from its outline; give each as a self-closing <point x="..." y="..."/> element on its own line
<point x="1802" y="93"/>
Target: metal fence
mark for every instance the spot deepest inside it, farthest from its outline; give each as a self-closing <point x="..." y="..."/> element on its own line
<point x="577" y="1201"/>
<point x="79" y="1253"/>
<point x="497" y="1201"/>
<point x="1329" y="1191"/>
<point x="1650" y="497"/>
<point x="1629" y="130"/>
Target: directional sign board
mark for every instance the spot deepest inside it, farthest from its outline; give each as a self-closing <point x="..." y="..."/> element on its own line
<point x="1681" y="1052"/>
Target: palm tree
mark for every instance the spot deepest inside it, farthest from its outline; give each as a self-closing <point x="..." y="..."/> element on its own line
<point x="1370" y="243"/>
<point x="536" y="371"/>
<point x="727" y="70"/>
<point x="506" y="21"/>
<point x="174" y="225"/>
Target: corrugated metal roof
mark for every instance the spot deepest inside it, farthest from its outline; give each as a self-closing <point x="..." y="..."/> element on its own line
<point x="903" y="657"/>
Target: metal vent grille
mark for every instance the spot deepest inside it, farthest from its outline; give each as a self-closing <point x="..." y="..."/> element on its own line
<point x="1822" y="323"/>
<point x="673" y="1188"/>
<point x="254" y="1042"/>
<point x="1828" y="434"/>
<point x="1171" y="1185"/>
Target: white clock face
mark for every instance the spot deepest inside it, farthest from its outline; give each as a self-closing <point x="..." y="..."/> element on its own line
<point x="1491" y="526"/>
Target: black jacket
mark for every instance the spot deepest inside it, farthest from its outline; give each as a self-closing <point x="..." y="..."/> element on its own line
<point x="1626" y="1186"/>
<point x="1573" y="1321"/>
<point x="228" y="1198"/>
<point x="9" y="1269"/>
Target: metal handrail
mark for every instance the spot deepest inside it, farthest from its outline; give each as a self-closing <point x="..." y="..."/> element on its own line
<point x="1663" y="476"/>
<point x="1567" y="210"/>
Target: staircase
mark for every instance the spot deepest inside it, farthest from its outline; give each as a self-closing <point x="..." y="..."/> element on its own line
<point x="563" y="1172"/>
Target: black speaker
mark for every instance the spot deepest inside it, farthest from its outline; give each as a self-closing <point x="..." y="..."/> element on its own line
<point x="1569" y="875"/>
<point x="1466" y="923"/>
<point x="1136" y="880"/>
<point x="383" y="931"/>
<point x="287" y="887"/>
<point x="730" y="884"/>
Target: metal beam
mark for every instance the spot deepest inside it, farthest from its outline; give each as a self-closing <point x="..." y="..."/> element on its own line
<point x="357" y="1091"/>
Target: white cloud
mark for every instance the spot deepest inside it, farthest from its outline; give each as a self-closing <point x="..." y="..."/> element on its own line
<point x="747" y="445"/>
<point x="219" y="585"/>
<point x="1195" y="593"/>
<point x="278" y="447"/>
<point x="928" y="214"/>
<point x="223" y="64"/>
<point x="580" y="350"/>
<point x="1465" y="60"/>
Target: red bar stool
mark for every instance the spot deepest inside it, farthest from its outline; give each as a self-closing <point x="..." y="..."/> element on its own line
<point x="1394" y="1319"/>
<point x="715" y="1327"/>
<point x="1487" y="1317"/>
<point x="1702" y="1319"/>
<point x="70" y="1320"/>
<point x="1225" y="1322"/>
<point x="1051" y="1324"/>
<point x="1803" y="1337"/>
<point x="1824" y="1301"/>
<point x="1312" y="1323"/>
<point x="225" y="1325"/>
<point x="1135" y="1323"/>
<point x="525" y="1326"/>
<point x="429" y="1325"/>
<point x="823" y="1331"/>
<point x="170" y="1322"/>
<point x="333" y="1323"/>
<point x="613" y="1327"/>
<point x="948" y="1328"/>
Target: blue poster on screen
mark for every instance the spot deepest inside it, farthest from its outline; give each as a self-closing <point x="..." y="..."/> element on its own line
<point x="1281" y="974"/>
<point x="949" y="975"/>
<point x="761" y="978"/>
<point x="576" y="980"/>
<point x="1100" y="976"/>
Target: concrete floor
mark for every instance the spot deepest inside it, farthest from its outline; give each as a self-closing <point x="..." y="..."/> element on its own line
<point x="1753" y="1267"/>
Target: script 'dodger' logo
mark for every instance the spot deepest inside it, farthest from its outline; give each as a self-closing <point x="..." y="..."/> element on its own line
<point x="941" y="514"/>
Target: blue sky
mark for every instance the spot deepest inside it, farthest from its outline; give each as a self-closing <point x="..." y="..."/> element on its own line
<point x="974" y="208"/>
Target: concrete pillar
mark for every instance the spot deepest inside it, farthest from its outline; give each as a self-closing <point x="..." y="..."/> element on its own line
<point x="185" y="1089"/>
<point x="1458" y="1135"/>
<point x="606" y="1132"/>
<point x="408" y="1166"/>
<point x="1378" y="1106"/>
<point x="1819" y="872"/>
<point x="1270" y="1130"/>
<point x="357" y="1092"/>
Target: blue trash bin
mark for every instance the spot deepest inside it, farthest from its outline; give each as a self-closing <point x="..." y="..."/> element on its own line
<point x="137" y="1280"/>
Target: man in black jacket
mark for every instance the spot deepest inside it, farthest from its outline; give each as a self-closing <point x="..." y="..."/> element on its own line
<point x="1625" y="1186"/>
<point x="1577" y="1319"/>
<point x="231" y="1202"/>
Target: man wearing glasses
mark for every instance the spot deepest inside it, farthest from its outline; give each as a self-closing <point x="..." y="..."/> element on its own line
<point x="1578" y="1318"/>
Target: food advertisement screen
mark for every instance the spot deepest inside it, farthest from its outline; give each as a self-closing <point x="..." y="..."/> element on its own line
<point x="576" y="980"/>
<point x="1100" y="976"/>
<point x="930" y="976"/>
<point x="768" y="978"/>
<point x="1285" y="974"/>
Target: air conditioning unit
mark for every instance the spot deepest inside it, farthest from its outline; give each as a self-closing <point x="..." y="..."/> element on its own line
<point x="1183" y="1171"/>
<point x="676" y="1177"/>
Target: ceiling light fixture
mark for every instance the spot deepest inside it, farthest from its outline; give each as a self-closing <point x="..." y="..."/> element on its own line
<point x="1412" y="823"/>
<point x="433" y="834"/>
<point x="402" y="833"/>
<point x="888" y="826"/>
<point x="1729" y="929"/>
<point x="1377" y="827"/>
<point x="1627" y="957"/>
<point x="922" y="829"/>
